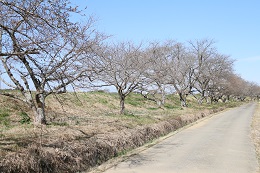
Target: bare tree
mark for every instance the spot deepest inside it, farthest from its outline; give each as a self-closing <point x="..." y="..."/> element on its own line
<point x="180" y="71"/>
<point x="42" y="50"/>
<point x="121" y="65"/>
<point x="212" y="80"/>
<point x="252" y="90"/>
<point x="219" y="68"/>
<point x="202" y="51"/>
<point x="236" y="87"/>
<point x="155" y="83"/>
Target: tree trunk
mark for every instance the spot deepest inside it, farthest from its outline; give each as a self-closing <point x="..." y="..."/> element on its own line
<point x="208" y="99"/>
<point x="200" y="100"/>
<point x="228" y="97"/>
<point x="202" y="97"/>
<point x="163" y="97"/>
<point x="183" y="100"/>
<point x="211" y="99"/>
<point x="39" y="111"/>
<point x="161" y="101"/>
<point x="122" y="104"/>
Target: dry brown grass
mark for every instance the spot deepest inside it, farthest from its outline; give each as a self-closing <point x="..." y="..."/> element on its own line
<point x="255" y="126"/>
<point x="85" y="131"/>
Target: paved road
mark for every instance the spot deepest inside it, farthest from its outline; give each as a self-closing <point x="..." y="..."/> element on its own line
<point x="218" y="144"/>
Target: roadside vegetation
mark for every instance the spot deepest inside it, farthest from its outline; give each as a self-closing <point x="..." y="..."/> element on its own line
<point x="88" y="129"/>
<point x="255" y="126"/>
<point x="48" y="123"/>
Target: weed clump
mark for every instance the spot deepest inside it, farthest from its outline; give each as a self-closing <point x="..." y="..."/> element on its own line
<point x="25" y="119"/>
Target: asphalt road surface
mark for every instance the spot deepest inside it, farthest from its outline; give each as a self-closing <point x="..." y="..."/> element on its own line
<point x="218" y="144"/>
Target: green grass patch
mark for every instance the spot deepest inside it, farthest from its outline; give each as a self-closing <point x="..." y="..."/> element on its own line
<point x="136" y="100"/>
<point x="4" y="117"/>
<point x="25" y="119"/>
<point x="170" y="106"/>
<point x="152" y="108"/>
<point x="103" y="101"/>
<point x="138" y="119"/>
<point x="59" y="124"/>
<point x="133" y="102"/>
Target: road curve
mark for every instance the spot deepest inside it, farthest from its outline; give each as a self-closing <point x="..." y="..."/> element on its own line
<point x="218" y="144"/>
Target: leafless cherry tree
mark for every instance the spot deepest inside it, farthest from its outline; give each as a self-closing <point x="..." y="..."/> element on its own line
<point x="121" y="65"/>
<point x="253" y="91"/>
<point x="42" y="50"/>
<point x="155" y="83"/>
<point x="213" y="78"/>
<point x="219" y="68"/>
<point x="238" y="88"/>
<point x="202" y="51"/>
<point x="181" y="71"/>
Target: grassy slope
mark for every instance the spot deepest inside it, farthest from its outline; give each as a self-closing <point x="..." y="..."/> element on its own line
<point x="73" y="119"/>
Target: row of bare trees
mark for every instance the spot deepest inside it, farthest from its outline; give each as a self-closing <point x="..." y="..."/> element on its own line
<point x="43" y="52"/>
<point x="195" y="68"/>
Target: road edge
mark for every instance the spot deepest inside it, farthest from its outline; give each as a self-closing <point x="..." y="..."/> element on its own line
<point x="115" y="161"/>
<point x="255" y="133"/>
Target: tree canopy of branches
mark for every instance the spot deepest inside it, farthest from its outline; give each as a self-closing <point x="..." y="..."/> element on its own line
<point x="42" y="51"/>
<point x="196" y="69"/>
<point x="121" y="65"/>
<point x="155" y="84"/>
<point x="181" y="71"/>
<point x="211" y="69"/>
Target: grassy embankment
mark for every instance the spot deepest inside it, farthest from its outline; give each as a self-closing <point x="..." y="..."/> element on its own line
<point x="85" y="130"/>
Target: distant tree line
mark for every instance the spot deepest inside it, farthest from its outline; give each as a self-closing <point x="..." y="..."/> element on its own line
<point x="43" y="52"/>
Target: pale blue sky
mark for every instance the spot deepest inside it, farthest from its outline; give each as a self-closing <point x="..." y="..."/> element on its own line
<point x="233" y="24"/>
